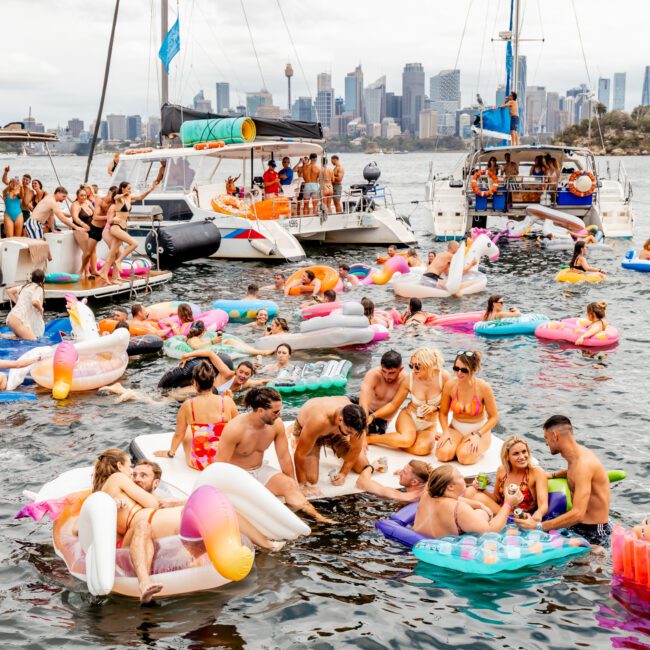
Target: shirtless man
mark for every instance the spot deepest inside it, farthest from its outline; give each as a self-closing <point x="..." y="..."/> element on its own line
<point x="512" y="104"/>
<point x="347" y="279"/>
<point x="379" y="387"/>
<point x="392" y="250"/>
<point x="120" y="314"/>
<point x="588" y="483"/>
<point x="413" y="478"/>
<point x="337" y="183"/>
<point x="308" y="280"/>
<point x="441" y="263"/>
<point x="278" y="283"/>
<point x="245" y="439"/>
<point x="311" y="190"/>
<point x="333" y="422"/>
<point x="44" y="213"/>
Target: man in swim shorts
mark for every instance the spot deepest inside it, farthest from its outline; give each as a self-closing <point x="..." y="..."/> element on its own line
<point x="311" y="190"/>
<point x="512" y="105"/>
<point x="334" y="422"/>
<point x="379" y="387"/>
<point x="44" y="213"/>
<point x="337" y="183"/>
<point x="588" y="483"/>
<point x="439" y="267"/>
<point x="245" y="439"/>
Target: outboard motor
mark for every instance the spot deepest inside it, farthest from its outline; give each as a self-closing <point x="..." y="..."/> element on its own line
<point x="173" y="245"/>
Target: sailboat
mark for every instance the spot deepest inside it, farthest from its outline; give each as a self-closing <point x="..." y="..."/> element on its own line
<point x="480" y="199"/>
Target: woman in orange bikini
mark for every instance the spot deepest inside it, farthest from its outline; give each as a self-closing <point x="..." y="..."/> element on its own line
<point x="516" y="467"/>
<point x="196" y="428"/>
<point x="474" y="409"/>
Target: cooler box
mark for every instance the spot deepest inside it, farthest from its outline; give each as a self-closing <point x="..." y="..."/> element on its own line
<point x="564" y="197"/>
<point x="499" y="202"/>
<point x="481" y="203"/>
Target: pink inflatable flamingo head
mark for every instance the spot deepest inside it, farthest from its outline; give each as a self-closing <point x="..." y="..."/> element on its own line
<point x="65" y="359"/>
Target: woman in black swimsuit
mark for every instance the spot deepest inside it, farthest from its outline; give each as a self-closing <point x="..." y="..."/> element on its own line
<point x="97" y="228"/>
<point x="81" y="212"/>
<point x="118" y="214"/>
<point x="579" y="260"/>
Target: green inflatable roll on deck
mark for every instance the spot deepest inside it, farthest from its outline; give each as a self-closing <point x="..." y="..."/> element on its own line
<point x="231" y="130"/>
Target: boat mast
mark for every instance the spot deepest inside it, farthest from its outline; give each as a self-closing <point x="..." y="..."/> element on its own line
<point x="164" y="77"/>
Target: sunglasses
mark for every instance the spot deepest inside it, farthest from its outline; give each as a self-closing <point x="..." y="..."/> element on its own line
<point x="415" y="366"/>
<point x="465" y="371"/>
<point x="465" y="353"/>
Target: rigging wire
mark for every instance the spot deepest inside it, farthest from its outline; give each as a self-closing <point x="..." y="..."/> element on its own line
<point x="295" y="51"/>
<point x="250" y="33"/>
<point x="181" y="86"/>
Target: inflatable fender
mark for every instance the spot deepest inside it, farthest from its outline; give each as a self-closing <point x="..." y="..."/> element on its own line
<point x="252" y="500"/>
<point x="98" y="536"/>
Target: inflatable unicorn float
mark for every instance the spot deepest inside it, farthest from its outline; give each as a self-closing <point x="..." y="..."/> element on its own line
<point x="415" y="285"/>
<point x="86" y="362"/>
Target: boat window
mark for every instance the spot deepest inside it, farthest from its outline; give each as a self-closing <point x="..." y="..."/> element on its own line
<point x="124" y="171"/>
<point x="180" y="173"/>
<point x="207" y="169"/>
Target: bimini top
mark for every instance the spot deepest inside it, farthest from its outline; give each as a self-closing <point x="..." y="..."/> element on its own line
<point x="523" y="148"/>
<point x="16" y="132"/>
<point x="172" y="116"/>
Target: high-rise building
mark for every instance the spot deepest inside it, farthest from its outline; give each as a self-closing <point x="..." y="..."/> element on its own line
<point x="580" y="95"/>
<point x="394" y="107"/>
<point x="427" y="124"/>
<point x="153" y="128"/>
<point x="302" y="109"/>
<point x="323" y="81"/>
<point x="618" y="102"/>
<point x="255" y="100"/>
<point x="339" y="126"/>
<point x="288" y="73"/>
<point x="500" y="95"/>
<point x="445" y="87"/>
<point x="464" y="121"/>
<point x="412" y="96"/>
<point x="116" y="127"/>
<point x="375" y="101"/>
<point x="339" y="106"/>
<point x="390" y="128"/>
<point x="223" y="96"/>
<point x="535" y="109"/>
<point x="354" y="92"/>
<point x="103" y="130"/>
<point x="75" y="127"/>
<point x="325" y="106"/>
<point x="133" y="127"/>
<point x="522" y="72"/>
<point x="604" y="92"/>
<point x="552" y="112"/>
<point x="645" y="95"/>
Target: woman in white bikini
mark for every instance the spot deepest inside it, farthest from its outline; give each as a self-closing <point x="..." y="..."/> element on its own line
<point x="416" y="424"/>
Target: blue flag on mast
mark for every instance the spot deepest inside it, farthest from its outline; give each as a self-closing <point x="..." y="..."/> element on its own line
<point x="171" y="46"/>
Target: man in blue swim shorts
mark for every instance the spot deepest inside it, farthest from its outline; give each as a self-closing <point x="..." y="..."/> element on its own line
<point x="311" y="189"/>
<point x="512" y="105"/>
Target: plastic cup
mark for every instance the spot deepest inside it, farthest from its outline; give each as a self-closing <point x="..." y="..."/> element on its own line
<point x="482" y="480"/>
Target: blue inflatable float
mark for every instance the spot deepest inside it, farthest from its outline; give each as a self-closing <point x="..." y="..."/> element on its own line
<point x="633" y="263"/>
<point x="54" y="333"/>
<point x="245" y="311"/>
<point x="16" y="396"/>
<point x="524" y="324"/>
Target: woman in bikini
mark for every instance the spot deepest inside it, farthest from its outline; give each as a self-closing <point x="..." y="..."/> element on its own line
<point x="417" y="422"/>
<point x="516" y="467"/>
<point x="414" y="315"/>
<point x="99" y="229"/>
<point x="118" y="215"/>
<point x="579" y="260"/>
<point x="444" y="511"/>
<point x="201" y="420"/>
<point x="596" y="312"/>
<point x="474" y="410"/>
<point x="495" y="310"/>
<point x="141" y="510"/>
<point x="39" y="192"/>
<point x="282" y="358"/>
<point x="82" y="212"/>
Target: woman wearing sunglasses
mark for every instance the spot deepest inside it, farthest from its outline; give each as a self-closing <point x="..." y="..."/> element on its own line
<point x="495" y="309"/>
<point x="474" y="410"/>
<point x="416" y="424"/>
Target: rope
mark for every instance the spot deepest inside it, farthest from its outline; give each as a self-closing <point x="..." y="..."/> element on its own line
<point x="250" y="33"/>
<point x="293" y="45"/>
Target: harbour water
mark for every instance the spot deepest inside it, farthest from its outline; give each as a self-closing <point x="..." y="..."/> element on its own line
<point x="345" y="584"/>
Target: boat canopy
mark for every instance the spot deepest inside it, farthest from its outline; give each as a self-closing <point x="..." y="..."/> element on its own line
<point x="525" y="154"/>
<point x="17" y="133"/>
<point x="172" y="116"/>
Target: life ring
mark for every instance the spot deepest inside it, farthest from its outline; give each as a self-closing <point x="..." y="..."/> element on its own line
<point x="226" y="204"/>
<point x="493" y="187"/>
<point x="579" y="174"/>
<point x="217" y="144"/>
<point x="131" y="152"/>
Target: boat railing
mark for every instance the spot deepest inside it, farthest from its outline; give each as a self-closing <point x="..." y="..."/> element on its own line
<point x="623" y="178"/>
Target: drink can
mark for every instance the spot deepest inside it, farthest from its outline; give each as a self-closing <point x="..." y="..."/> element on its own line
<point x="519" y="513"/>
<point x="512" y="488"/>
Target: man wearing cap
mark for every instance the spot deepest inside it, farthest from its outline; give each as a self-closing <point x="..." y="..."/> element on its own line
<point x="271" y="180"/>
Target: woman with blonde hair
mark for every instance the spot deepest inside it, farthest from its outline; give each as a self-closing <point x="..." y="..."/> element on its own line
<point x="12" y="196"/>
<point x="474" y="409"/>
<point x="596" y="312"/>
<point x="416" y="423"/>
<point x="516" y="468"/>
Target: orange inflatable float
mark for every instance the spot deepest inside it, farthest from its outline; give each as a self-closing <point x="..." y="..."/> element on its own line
<point x="328" y="277"/>
<point x="226" y="204"/>
<point x="271" y="209"/>
<point x="136" y="328"/>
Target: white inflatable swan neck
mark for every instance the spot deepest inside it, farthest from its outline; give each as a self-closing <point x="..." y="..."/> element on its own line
<point x="84" y="325"/>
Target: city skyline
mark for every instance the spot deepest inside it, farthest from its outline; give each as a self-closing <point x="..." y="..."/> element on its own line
<point x="56" y="82"/>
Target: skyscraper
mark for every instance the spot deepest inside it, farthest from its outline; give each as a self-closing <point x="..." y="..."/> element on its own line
<point x="153" y="128"/>
<point x="75" y="127"/>
<point x="604" y="92"/>
<point x="325" y="106"/>
<point x="116" y="127"/>
<point x="354" y="92"/>
<point x="412" y="96"/>
<point x="133" y="127"/>
<point x="535" y="109"/>
<point x="552" y="112"/>
<point x="255" y="100"/>
<point x="223" y="96"/>
<point x="302" y="109"/>
<point x="645" y="95"/>
<point x="323" y="81"/>
<point x="375" y="101"/>
<point x="522" y="77"/>
<point x="394" y="107"/>
<point x="618" y="103"/>
<point x="445" y="87"/>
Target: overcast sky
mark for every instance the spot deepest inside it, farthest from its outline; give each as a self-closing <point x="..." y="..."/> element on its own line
<point x="54" y="60"/>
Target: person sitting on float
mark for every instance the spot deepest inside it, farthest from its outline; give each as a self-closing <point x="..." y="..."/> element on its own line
<point x="495" y="310"/>
<point x="415" y="315"/>
<point x="596" y="312"/>
<point x="443" y="511"/>
<point x="347" y="279"/>
<point x="413" y="259"/>
<point x="307" y="280"/>
<point x="592" y="235"/>
<point x="185" y="315"/>
<point x="579" y="260"/>
<point x="416" y="423"/>
<point x="369" y="312"/>
<point x="261" y="320"/>
<point x="328" y="296"/>
<point x="474" y="409"/>
<point x="516" y="468"/>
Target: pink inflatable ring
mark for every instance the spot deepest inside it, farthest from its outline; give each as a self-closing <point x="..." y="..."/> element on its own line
<point x="571" y="329"/>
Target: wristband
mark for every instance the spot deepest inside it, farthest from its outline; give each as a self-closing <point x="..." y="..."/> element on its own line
<point x="372" y="469"/>
<point x="539" y="526"/>
<point x="170" y="454"/>
<point x="507" y="505"/>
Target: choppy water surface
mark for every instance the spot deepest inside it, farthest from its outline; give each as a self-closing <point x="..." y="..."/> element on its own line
<point x="346" y="585"/>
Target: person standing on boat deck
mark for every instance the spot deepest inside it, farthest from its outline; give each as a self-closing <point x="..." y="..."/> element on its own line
<point x="39" y="192"/>
<point x="81" y="212"/>
<point x="45" y="212"/>
<point x="286" y="173"/>
<point x="271" y="180"/>
<point x="98" y="229"/>
<point x="333" y="422"/>
<point x="13" y="216"/>
<point x="328" y="188"/>
<point x="298" y="170"/>
<point x="512" y="105"/>
<point x="245" y="439"/>
<point x="588" y="483"/>
<point x="337" y="183"/>
<point x="311" y="191"/>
